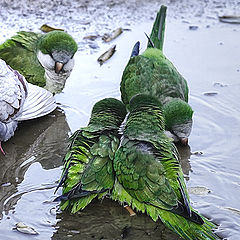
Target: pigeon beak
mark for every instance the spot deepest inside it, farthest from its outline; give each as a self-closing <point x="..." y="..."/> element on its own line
<point x="184" y="141"/>
<point x="58" y="67"/>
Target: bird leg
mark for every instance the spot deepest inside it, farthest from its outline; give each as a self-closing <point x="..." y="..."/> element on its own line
<point x="1" y="149"/>
<point x="129" y="209"/>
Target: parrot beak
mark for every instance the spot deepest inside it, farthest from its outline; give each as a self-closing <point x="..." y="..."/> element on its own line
<point x="58" y="67"/>
<point x="184" y="141"/>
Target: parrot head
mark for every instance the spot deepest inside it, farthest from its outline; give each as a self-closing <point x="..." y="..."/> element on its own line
<point x="178" y="118"/>
<point x="107" y="113"/>
<point x="55" y="51"/>
<point x="143" y="100"/>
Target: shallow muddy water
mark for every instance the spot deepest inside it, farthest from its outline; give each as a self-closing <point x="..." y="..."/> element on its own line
<point x="208" y="57"/>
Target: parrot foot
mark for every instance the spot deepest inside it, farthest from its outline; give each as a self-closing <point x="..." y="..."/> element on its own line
<point x="129" y="209"/>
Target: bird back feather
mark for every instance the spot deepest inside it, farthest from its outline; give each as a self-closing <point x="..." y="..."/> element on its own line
<point x="19" y="52"/>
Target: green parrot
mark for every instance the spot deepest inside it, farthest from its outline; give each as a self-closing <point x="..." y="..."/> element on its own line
<point x="152" y="73"/>
<point x="45" y="60"/>
<point x="149" y="175"/>
<point x="88" y="164"/>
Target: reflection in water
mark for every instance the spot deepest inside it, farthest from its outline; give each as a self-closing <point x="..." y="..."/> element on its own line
<point x="185" y="154"/>
<point x="29" y="169"/>
<point x="217" y="168"/>
<point x="109" y="220"/>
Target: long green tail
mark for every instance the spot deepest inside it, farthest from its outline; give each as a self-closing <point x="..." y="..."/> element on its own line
<point x="157" y="34"/>
<point x="188" y="230"/>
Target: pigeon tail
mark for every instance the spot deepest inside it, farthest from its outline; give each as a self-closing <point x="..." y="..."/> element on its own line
<point x="38" y="103"/>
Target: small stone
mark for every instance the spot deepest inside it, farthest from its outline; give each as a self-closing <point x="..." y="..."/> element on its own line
<point x="91" y="37"/>
<point x="93" y="46"/>
<point x="193" y="27"/>
<point x="198" y="190"/>
<point x="210" y="93"/>
<point x="23" y="228"/>
<point x="217" y="84"/>
<point x="6" y="184"/>
<point x="234" y="210"/>
<point x="75" y="231"/>
<point x="197" y="153"/>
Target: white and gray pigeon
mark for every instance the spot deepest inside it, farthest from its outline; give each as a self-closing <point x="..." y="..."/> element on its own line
<point x="19" y="101"/>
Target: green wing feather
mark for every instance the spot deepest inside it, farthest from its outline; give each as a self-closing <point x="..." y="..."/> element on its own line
<point x="146" y="201"/>
<point x="152" y="73"/>
<point x="89" y="171"/>
<point x="186" y="229"/>
<point x="19" y="52"/>
<point x="148" y="173"/>
<point x="143" y="177"/>
<point x="88" y="164"/>
<point x="76" y="159"/>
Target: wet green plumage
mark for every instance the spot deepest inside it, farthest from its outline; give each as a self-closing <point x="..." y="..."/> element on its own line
<point x="20" y="52"/>
<point x="88" y="164"/>
<point x="149" y="176"/>
<point x="152" y="73"/>
<point x="57" y="41"/>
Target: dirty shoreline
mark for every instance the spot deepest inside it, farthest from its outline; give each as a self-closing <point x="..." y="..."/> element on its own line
<point x="205" y="50"/>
